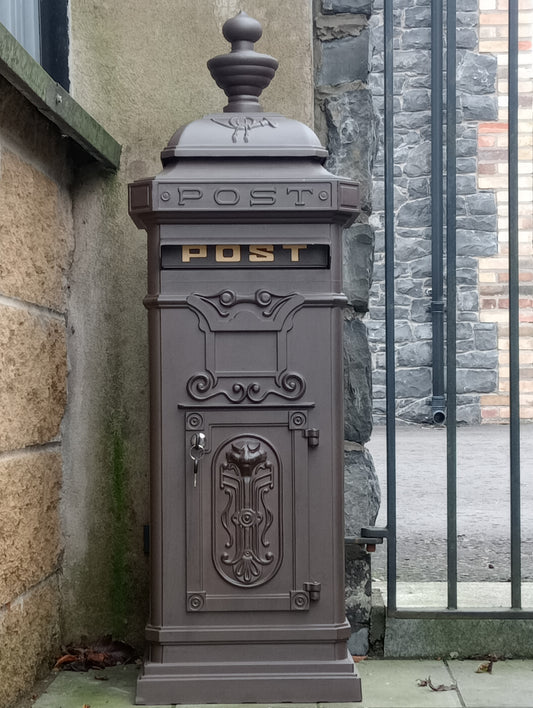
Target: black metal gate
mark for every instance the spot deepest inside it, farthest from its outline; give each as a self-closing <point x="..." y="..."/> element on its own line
<point x="444" y="299"/>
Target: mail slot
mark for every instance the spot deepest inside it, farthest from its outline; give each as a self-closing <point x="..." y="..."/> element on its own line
<point x="245" y="303"/>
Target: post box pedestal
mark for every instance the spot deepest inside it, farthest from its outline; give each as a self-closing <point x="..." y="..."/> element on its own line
<point x="245" y="324"/>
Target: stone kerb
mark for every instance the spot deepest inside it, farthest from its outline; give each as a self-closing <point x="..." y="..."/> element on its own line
<point x="476" y="214"/>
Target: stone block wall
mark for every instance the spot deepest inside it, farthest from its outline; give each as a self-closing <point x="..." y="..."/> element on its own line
<point x="477" y="220"/>
<point x="346" y="122"/>
<point x="35" y="241"/>
<point x="493" y="174"/>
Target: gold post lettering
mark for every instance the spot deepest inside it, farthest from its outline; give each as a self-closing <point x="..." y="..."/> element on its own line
<point x="188" y="252"/>
<point x="295" y="251"/>
<point x="261" y="253"/>
<point x="223" y="257"/>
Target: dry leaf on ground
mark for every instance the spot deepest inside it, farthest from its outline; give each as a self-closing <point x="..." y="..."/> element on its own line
<point x="105" y="652"/>
<point x="485" y="667"/>
<point x="441" y="687"/>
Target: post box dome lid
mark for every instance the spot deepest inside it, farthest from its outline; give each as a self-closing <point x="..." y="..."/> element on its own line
<point x="244" y="135"/>
<point x="243" y="129"/>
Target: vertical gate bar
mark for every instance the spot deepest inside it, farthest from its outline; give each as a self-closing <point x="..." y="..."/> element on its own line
<point x="451" y="300"/>
<point x="514" y="342"/>
<point x="388" y="29"/>
<point x="437" y="252"/>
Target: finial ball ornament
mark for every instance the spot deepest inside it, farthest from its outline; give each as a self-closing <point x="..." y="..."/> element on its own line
<point x="242" y="73"/>
<point x="241" y="28"/>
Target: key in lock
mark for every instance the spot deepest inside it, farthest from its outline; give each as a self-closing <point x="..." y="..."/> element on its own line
<point x="196" y="452"/>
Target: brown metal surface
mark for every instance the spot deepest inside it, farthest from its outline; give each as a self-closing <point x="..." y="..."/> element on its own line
<point x="245" y="315"/>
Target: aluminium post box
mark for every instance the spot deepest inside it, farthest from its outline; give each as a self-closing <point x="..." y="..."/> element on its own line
<point x="245" y="306"/>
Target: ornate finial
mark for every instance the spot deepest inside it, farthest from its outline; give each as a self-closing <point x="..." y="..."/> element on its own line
<point x="243" y="73"/>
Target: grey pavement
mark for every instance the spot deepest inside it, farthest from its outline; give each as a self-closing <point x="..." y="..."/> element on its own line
<point x="483" y="517"/>
<point x="385" y="683"/>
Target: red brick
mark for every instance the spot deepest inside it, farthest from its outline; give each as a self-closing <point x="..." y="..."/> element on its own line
<point x="490" y="413"/>
<point x="488" y="304"/>
<point x="486" y="141"/>
<point x="493" y="127"/>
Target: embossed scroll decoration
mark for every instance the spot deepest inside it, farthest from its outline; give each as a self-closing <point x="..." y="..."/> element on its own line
<point x="226" y="315"/>
<point x="247" y="525"/>
<point x="240" y="123"/>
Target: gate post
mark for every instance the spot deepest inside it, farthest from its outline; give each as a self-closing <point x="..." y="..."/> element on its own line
<point x="245" y="323"/>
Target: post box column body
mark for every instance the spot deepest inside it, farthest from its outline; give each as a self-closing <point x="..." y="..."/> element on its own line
<point x="245" y="312"/>
<point x="245" y="324"/>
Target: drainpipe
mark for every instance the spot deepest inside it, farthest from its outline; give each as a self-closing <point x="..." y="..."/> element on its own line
<point x="438" y="401"/>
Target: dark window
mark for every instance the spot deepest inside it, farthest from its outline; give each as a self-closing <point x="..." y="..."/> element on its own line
<point x="41" y="27"/>
<point x="54" y="40"/>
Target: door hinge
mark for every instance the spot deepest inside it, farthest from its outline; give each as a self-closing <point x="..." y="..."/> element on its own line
<point x="314" y="590"/>
<point x="312" y="435"/>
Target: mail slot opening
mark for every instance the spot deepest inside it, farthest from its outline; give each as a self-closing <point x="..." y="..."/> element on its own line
<point x="252" y="256"/>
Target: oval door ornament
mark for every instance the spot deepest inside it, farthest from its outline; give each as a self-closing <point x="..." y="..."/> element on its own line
<point x="247" y="522"/>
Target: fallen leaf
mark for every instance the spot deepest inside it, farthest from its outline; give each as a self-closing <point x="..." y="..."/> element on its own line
<point x="440" y="687"/>
<point x="358" y="659"/>
<point x="65" y="659"/>
<point x="485" y="667"/>
<point x="106" y="652"/>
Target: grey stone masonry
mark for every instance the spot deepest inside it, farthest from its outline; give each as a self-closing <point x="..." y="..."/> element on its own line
<point x="476" y="214"/>
<point x="362" y="499"/>
<point x="347" y="124"/>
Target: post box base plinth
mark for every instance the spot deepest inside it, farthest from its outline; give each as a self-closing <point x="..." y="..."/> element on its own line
<point x="256" y="684"/>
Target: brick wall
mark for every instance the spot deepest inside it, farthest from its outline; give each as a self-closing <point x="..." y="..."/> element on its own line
<point x="493" y="174"/>
<point x="35" y="232"/>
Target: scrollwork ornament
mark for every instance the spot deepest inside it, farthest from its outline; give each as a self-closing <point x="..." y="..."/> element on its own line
<point x="244" y="124"/>
<point x="227" y="298"/>
<point x="247" y="507"/>
<point x="293" y="383"/>
<point x="263" y="298"/>
<point x="199" y="385"/>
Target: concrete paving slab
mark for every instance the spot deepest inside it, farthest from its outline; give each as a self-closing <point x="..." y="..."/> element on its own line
<point x="386" y="684"/>
<point x="510" y="685"/>
<point x="72" y="689"/>
<point x="393" y="684"/>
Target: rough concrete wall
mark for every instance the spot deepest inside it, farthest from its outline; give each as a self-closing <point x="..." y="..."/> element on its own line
<point x="35" y="242"/>
<point x="347" y="124"/>
<point x="142" y="74"/>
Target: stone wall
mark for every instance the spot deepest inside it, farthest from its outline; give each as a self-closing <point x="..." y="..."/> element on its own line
<point x="36" y="242"/>
<point x="477" y="339"/>
<point x="346" y="123"/>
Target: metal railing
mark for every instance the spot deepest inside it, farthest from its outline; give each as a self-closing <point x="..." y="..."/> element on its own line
<point x="444" y="402"/>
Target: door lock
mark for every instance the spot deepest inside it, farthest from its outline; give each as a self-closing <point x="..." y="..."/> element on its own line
<point x="197" y="451"/>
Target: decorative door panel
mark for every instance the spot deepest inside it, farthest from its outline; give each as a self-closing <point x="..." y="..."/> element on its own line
<point x="247" y="549"/>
